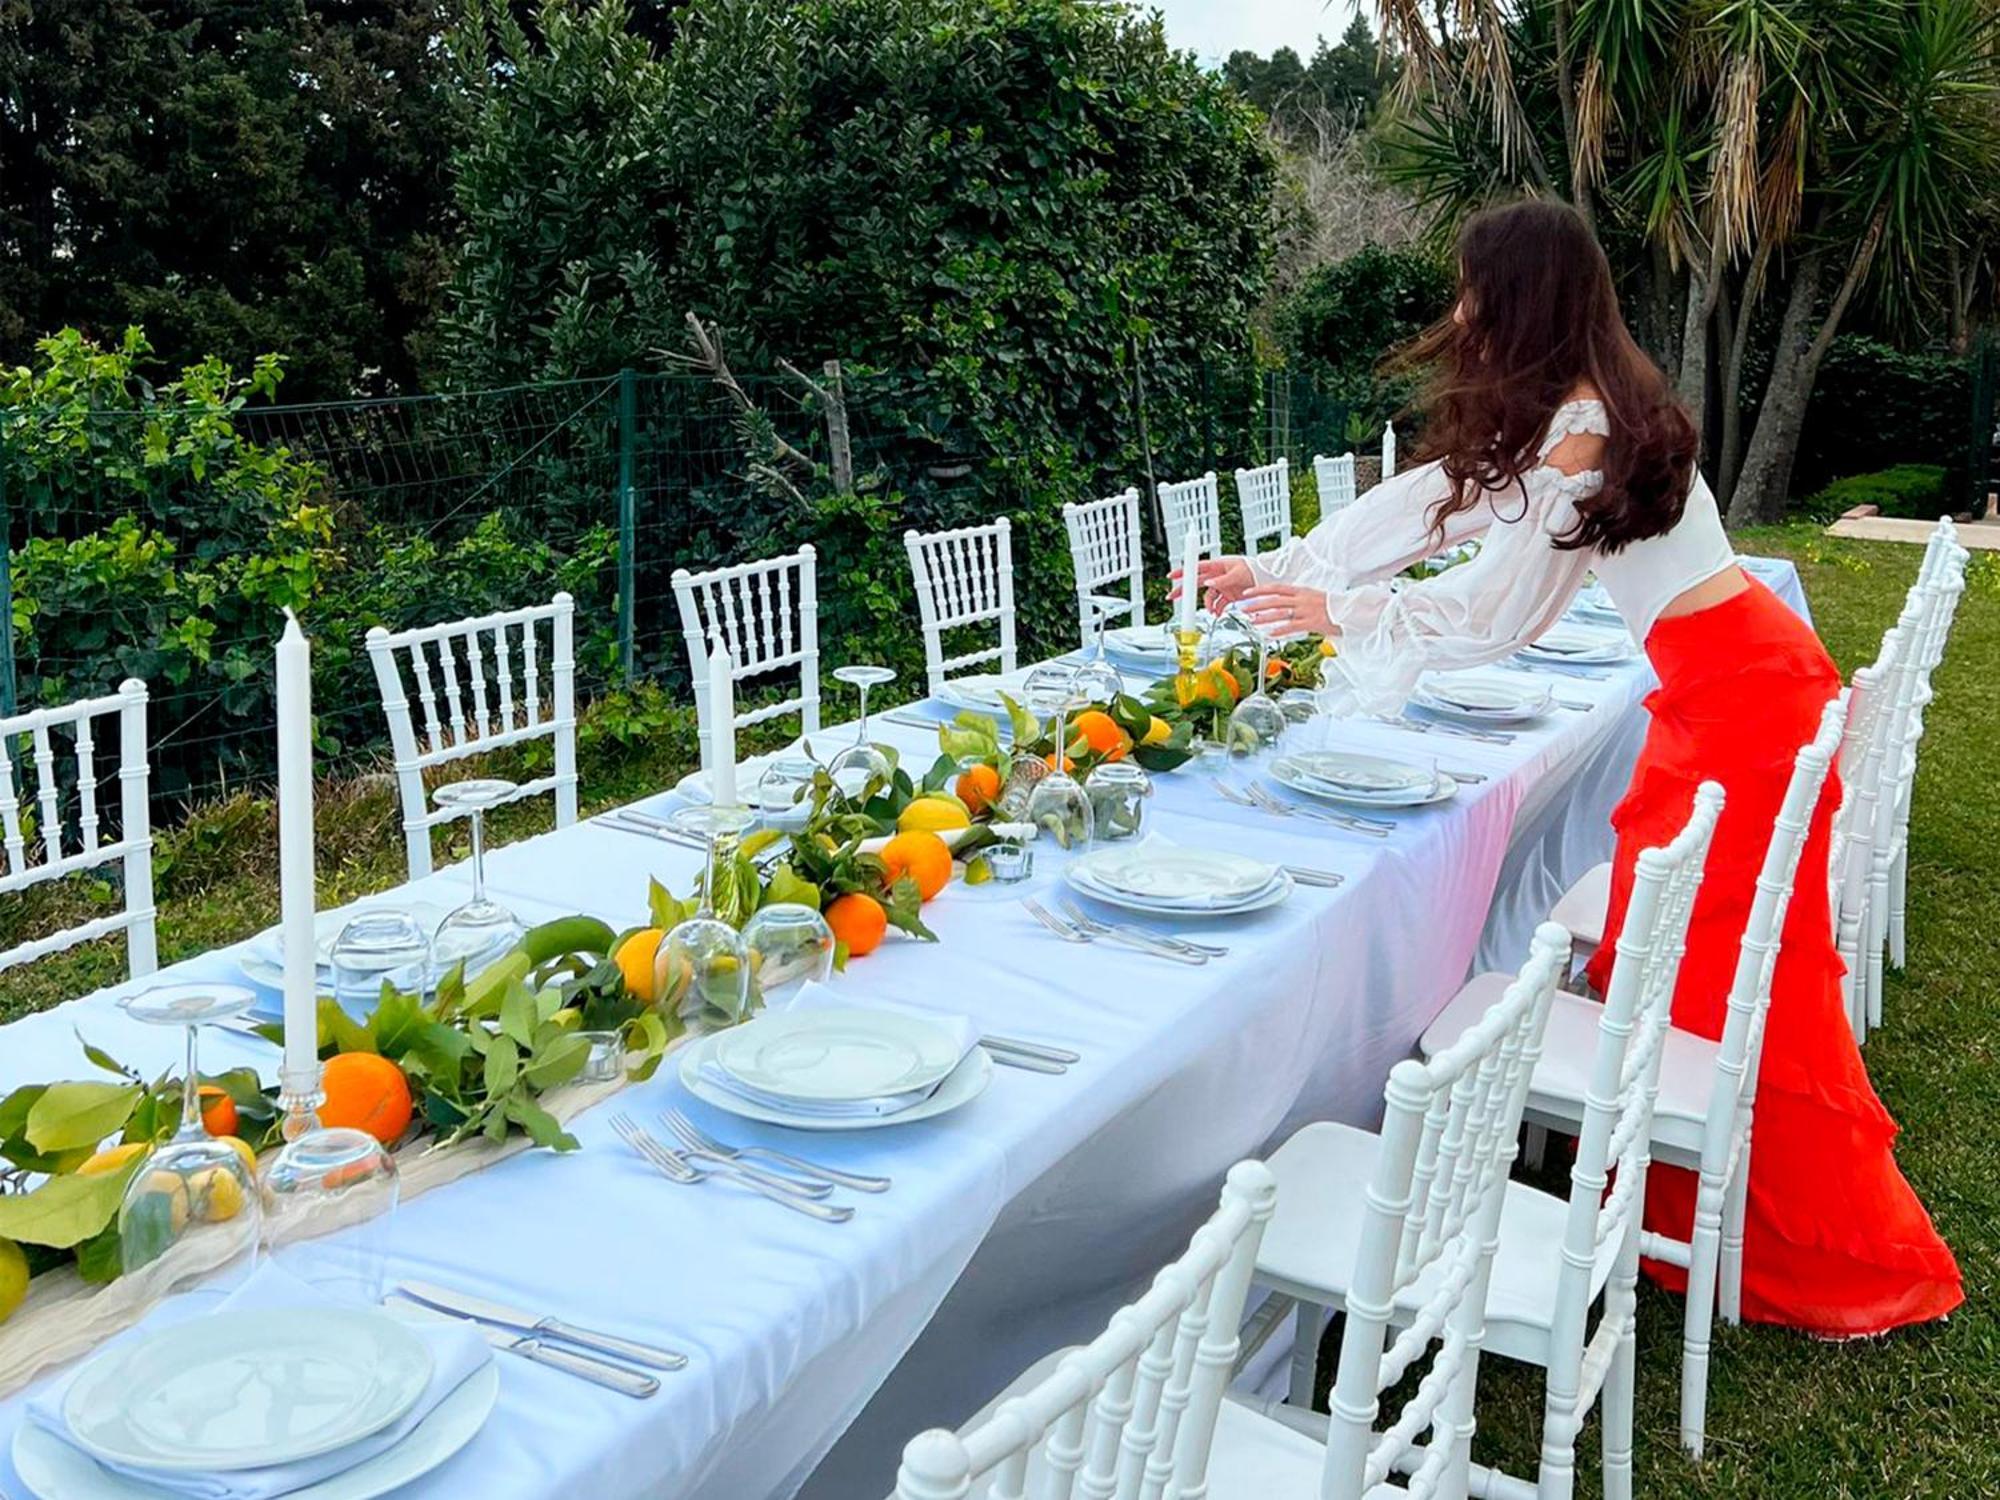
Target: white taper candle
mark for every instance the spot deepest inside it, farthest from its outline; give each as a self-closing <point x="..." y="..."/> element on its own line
<point x="1190" y="576"/>
<point x="722" y="722"/>
<point x="295" y="859"/>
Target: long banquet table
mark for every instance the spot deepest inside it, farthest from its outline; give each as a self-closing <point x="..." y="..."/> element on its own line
<point x="1013" y="1223"/>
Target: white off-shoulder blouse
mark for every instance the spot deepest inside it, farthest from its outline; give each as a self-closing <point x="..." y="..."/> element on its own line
<point x="1516" y="588"/>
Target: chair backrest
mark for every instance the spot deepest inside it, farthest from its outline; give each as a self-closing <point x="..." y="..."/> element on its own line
<point x="1132" y="1412"/>
<point x="964" y="577"/>
<point x="48" y="771"/>
<point x="767" y="613"/>
<point x="1265" y="494"/>
<point x="1735" y="1090"/>
<point x="486" y="712"/>
<point x="1446" y="1143"/>
<point x="1334" y="478"/>
<point x="1196" y="503"/>
<point x="1388" y="449"/>
<point x="1104" y="550"/>
<point x="1608" y="1182"/>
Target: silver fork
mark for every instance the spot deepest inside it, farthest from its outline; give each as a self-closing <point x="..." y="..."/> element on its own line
<point x="1256" y="797"/>
<point x="701" y="1156"/>
<point x="1092" y="925"/>
<point x="695" y="1138"/>
<point x="1556" y="669"/>
<point x="1455" y="731"/>
<point x="684" y="1169"/>
<point x="1323" y="879"/>
<point x="1070" y="934"/>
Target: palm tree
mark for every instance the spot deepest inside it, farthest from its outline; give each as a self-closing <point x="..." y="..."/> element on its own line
<point x="1725" y="150"/>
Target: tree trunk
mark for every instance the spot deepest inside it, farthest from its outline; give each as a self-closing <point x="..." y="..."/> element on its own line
<point x="1579" y="191"/>
<point x="1704" y="285"/>
<point x="1730" y="458"/>
<point x="1722" y="426"/>
<point x="1765" y="482"/>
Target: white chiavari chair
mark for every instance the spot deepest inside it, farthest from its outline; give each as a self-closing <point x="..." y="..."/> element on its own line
<point x="964" y="578"/>
<point x="518" y="684"/>
<point x="1708" y="1089"/>
<point x="1334" y="478"/>
<point x="1132" y="1412"/>
<point x="1945" y="562"/>
<point x="1265" y="495"/>
<point x="767" y="613"/>
<point x="1192" y="503"/>
<point x="1864" y="751"/>
<point x="1388" y="450"/>
<point x="43" y="782"/>
<point x="1104" y="551"/>
<point x="1554" y="1260"/>
<point x="1418" y="1216"/>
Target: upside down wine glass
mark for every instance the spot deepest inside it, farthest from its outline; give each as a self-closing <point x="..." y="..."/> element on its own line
<point x="1058" y="804"/>
<point x="1096" y="680"/>
<point x="482" y="928"/>
<point x="708" y="963"/>
<point x="861" y="763"/>
<point x="1257" y="723"/>
<point x="192" y="1210"/>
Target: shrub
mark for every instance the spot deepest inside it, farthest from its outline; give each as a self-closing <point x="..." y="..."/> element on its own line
<point x="1910" y="490"/>
<point x="1873" y="406"/>
<point x="1345" y="317"/>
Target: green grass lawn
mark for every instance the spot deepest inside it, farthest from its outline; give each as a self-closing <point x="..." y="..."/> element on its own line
<point x="1914" y="1414"/>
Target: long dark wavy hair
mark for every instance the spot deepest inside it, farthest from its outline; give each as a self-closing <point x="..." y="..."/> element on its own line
<point x="1540" y="320"/>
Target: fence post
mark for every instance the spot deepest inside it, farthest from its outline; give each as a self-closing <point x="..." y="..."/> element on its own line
<point x="628" y="520"/>
<point x="1979" y="438"/>
<point x="8" y="702"/>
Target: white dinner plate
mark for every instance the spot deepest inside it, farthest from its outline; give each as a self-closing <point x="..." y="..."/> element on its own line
<point x="982" y="690"/>
<point x="1370" y="776"/>
<point x="1158" y="872"/>
<point x="1148" y="642"/>
<point x="245" y="1390"/>
<point x="1289" y="771"/>
<point x="1482" y="701"/>
<point x="55" y="1470"/>
<point x="1586" y="645"/>
<point x="963" y="1084"/>
<point x="837" y="1054"/>
<point x="1278" y="890"/>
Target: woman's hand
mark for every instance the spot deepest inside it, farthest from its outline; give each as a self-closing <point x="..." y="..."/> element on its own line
<point x="1281" y="609"/>
<point x="1223" y="580"/>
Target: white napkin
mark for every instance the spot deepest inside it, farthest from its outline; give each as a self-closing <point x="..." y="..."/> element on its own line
<point x="457" y="1352"/>
<point x="813" y="995"/>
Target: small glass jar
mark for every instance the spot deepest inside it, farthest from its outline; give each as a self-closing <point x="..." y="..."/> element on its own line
<point x="1012" y="857"/>
<point x="1118" y="792"/>
<point x="606" y="1059"/>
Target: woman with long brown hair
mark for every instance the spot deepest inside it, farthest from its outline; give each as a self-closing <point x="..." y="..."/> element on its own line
<point x="1558" y="443"/>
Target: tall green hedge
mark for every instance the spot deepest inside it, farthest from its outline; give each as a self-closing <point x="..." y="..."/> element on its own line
<point x="1341" y="321"/>
<point x="1874" y="407"/>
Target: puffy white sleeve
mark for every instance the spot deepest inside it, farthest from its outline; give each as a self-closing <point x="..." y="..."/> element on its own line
<point x="1379" y="535"/>
<point x="1478" y="612"/>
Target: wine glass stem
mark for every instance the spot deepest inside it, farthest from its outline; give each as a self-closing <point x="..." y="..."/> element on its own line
<point x="479" y="854"/>
<point x="861" y="737"/>
<point x="708" y="874"/>
<point x="191" y="1088"/>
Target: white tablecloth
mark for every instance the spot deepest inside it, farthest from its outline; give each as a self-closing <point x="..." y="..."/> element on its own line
<point x="1013" y="1222"/>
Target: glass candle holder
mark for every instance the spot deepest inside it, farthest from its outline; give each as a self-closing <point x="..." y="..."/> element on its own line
<point x="1118" y="792"/>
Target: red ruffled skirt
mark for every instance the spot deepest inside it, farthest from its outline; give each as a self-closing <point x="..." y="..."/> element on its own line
<point x="1835" y="1240"/>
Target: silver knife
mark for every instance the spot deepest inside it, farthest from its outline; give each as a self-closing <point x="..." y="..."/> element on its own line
<point x="634" y="1383"/>
<point x="464" y="1305"/>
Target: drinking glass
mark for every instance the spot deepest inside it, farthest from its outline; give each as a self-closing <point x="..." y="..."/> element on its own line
<point x="719" y="828"/>
<point x="708" y="973"/>
<point x="333" y="1178"/>
<point x="1118" y="792"/>
<point x="789" y="944"/>
<point x="192" y="1211"/>
<point x="860" y="763"/>
<point x="1255" y="727"/>
<point x="378" y="947"/>
<point x="1096" y="679"/>
<point x="1059" y="807"/>
<point x="784" y="791"/>
<point x="482" y="928"/>
<point x="1049" y="692"/>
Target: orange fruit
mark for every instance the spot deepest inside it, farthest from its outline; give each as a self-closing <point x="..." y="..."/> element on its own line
<point x="924" y="857"/>
<point x="1101" y="732"/>
<point x="368" y="1092"/>
<point x="635" y="961"/>
<point x="978" y="788"/>
<point x="218" y="1110"/>
<point x="859" y="921"/>
<point x="1049" y="760"/>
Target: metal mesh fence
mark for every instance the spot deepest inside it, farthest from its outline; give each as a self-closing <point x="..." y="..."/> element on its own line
<point x="139" y="548"/>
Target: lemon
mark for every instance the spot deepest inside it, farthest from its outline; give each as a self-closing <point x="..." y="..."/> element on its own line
<point x="13" y="1278"/>
<point x="219" y="1192"/>
<point x="241" y="1147"/>
<point x="111" y="1158"/>
<point x="977" y="870"/>
<point x="934" y="814"/>
<point x="169" y="1190"/>
<point x="1157" y="732"/>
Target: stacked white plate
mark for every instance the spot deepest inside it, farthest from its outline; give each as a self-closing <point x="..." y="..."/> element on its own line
<point x="982" y="690"/>
<point x="264" y="957"/>
<point x="1482" y="700"/>
<point x="1593" y="602"/>
<point x="837" y="1067"/>
<point x="230" y="1402"/>
<point x="1580" y="645"/>
<point x="1164" y="878"/>
<point x="1362" y="780"/>
<point x="1153" y="644"/>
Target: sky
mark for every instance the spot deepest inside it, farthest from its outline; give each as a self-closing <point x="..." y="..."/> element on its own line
<point x="1215" y="28"/>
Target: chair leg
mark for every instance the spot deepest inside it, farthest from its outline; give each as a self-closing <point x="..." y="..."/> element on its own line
<point x="1620" y="1384"/>
<point x="1309" y="1323"/>
<point x="1899" y="882"/>
<point x="1735" y="1205"/>
<point x="1698" y="1322"/>
<point x="1534" y="1147"/>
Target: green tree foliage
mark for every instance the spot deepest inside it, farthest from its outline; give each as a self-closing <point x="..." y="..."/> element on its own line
<point x="236" y="175"/>
<point x="1344" y="317"/>
<point x="1343" y="82"/>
